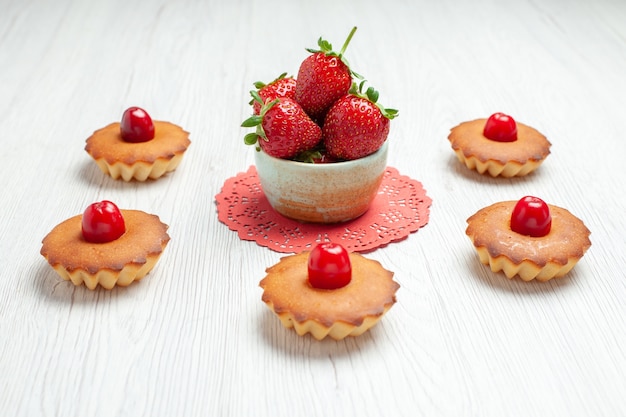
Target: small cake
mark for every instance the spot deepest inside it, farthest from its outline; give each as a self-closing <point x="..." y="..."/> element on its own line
<point x="328" y="292"/>
<point x="105" y="246"/>
<point x="138" y="148"/>
<point x="499" y="146"/>
<point x="528" y="238"/>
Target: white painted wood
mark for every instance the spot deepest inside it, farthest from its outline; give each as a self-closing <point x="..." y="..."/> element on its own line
<point x="194" y="338"/>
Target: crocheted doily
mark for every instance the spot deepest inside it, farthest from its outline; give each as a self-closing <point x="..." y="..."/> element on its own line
<point x="401" y="207"/>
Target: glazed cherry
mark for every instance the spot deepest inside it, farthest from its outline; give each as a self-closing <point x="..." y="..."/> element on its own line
<point x="501" y="128"/>
<point x="531" y="217"/>
<point x="329" y="266"/>
<point x="102" y="222"/>
<point x="137" y="125"/>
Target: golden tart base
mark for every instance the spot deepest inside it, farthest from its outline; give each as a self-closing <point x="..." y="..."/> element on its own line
<point x="338" y="313"/>
<point x="541" y="258"/>
<point x="506" y="159"/>
<point x="138" y="161"/>
<point x="120" y="262"/>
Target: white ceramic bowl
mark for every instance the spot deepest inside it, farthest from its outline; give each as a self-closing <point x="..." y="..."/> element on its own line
<point x="321" y="193"/>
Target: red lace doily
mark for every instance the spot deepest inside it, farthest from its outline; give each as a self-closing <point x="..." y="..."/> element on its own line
<point x="401" y="207"/>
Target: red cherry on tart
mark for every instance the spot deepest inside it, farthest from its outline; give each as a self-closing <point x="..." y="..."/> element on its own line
<point x="499" y="146"/>
<point x="501" y="128"/>
<point x="531" y="217"/>
<point x="138" y="148"/>
<point x="337" y="313"/>
<point x="102" y="222"/>
<point x="116" y="247"/>
<point x="136" y="125"/>
<point x="528" y="238"/>
<point x="329" y="266"/>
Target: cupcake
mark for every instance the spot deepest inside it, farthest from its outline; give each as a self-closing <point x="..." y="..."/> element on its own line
<point x="328" y="292"/>
<point x="138" y="148"/>
<point x="528" y="238"/>
<point x="499" y="146"/>
<point x="105" y="246"/>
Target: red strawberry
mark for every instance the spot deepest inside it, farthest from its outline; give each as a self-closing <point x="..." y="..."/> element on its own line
<point x="281" y="87"/>
<point x="356" y="125"/>
<point x="323" y="78"/>
<point x="283" y="129"/>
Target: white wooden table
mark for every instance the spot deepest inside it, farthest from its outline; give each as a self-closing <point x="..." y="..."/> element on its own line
<point x="194" y="338"/>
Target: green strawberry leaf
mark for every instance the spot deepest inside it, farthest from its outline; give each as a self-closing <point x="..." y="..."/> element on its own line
<point x="252" y="121"/>
<point x="261" y="84"/>
<point x="256" y="97"/>
<point x="388" y="113"/>
<point x="250" y="139"/>
<point x="372" y="94"/>
<point x="308" y="156"/>
<point x="267" y="106"/>
<point x="325" y="46"/>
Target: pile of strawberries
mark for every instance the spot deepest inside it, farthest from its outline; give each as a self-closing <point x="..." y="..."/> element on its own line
<point x="323" y="115"/>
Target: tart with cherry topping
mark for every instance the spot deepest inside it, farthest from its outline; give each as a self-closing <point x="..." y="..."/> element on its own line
<point x="329" y="292"/>
<point x="137" y="147"/>
<point x="105" y="246"/>
<point x="528" y="238"/>
<point x="499" y="146"/>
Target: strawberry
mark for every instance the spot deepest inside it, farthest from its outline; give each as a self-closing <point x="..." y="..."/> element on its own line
<point x="323" y="78"/>
<point x="283" y="129"/>
<point x="356" y="125"/>
<point x="282" y="86"/>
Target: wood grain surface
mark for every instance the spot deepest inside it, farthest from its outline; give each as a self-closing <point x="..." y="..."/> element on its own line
<point x="193" y="338"/>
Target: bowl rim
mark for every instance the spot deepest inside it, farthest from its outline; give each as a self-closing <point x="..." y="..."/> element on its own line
<point x="340" y="164"/>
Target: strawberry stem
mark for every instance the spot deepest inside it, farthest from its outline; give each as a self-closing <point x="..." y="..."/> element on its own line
<point x="345" y="44"/>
